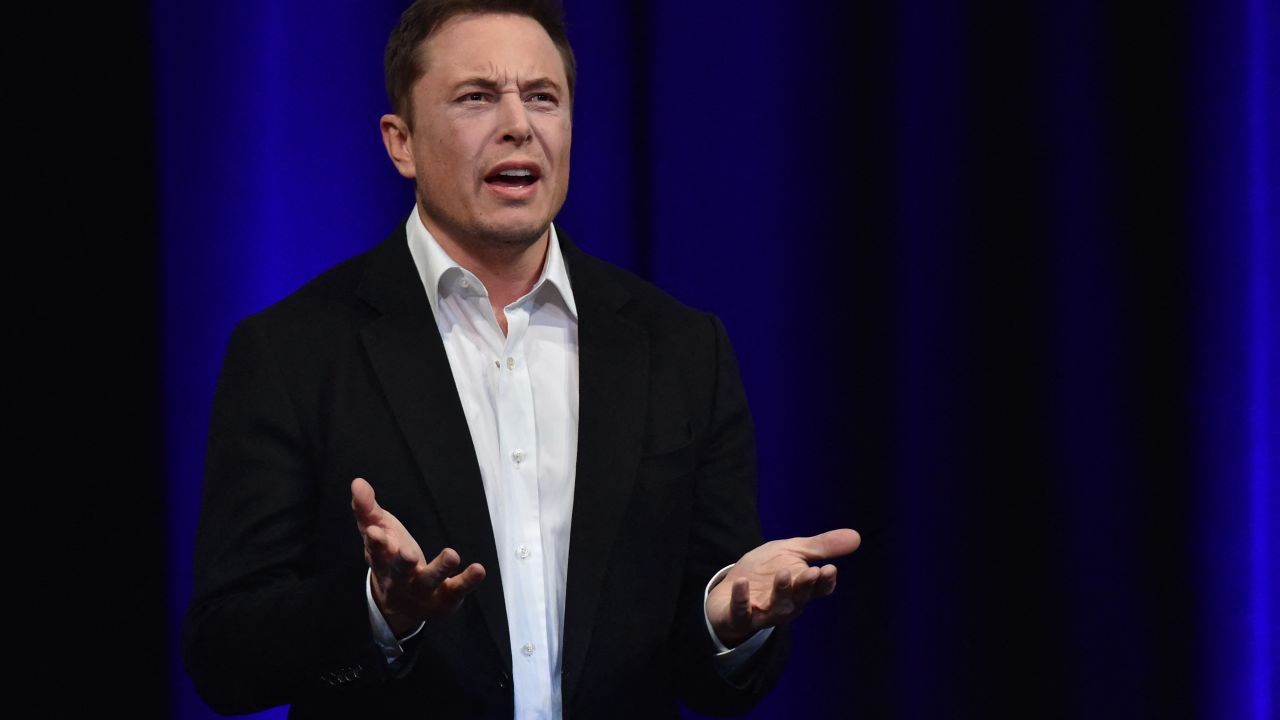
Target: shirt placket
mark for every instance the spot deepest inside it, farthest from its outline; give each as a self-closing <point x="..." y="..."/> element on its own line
<point x="525" y="591"/>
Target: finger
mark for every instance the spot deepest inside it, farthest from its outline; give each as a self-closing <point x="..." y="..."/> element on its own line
<point x="441" y="566"/>
<point x="465" y="582"/>
<point x="412" y="551"/>
<point x="740" y="603"/>
<point x="382" y="544"/>
<point x="452" y="591"/>
<point x="804" y="582"/>
<point x="363" y="504"/>
<point x="826" y="583"/>
<point x="806" y="578"/>
<point x="827" y="545"/>
<point x="802" y="589"/>
<point x="373" y="548"/>
<point x="779" y="591"/>
<point x="386" y="556"/>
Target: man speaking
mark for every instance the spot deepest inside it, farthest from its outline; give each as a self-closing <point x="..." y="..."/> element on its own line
<point x="475" y="472"/>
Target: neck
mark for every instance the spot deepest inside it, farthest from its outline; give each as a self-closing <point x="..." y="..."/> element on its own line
<point x="508" y="270"/>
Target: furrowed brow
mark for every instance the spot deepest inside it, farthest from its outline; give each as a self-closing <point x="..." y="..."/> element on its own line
<point x="494" y="85"/>
<point x="484" y="83"/>
<point x="542" y="83"/>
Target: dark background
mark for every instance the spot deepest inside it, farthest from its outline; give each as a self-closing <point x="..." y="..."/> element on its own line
<point x="88" y="612"/>
<point x="1001" y="277"/>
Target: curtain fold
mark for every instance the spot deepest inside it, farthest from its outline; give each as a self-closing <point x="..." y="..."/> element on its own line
<point x="1001" y="279"/>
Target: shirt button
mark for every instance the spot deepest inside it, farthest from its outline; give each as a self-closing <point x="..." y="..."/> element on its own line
<point x="527" y="649"/>
<point x="511" y="363"/>
<point x="522" y="551"/>
<point x="518" y="456"/>
<point x="465" y="283"/>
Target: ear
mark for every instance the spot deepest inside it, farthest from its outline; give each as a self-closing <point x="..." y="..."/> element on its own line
<point x="395" y="136"/>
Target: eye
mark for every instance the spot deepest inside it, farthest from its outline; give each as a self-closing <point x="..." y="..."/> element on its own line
<point x="474" y="97"/>
<point x="542" y="99"/>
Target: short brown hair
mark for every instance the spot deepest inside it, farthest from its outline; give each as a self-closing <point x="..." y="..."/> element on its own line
<point x="422" y="18"/>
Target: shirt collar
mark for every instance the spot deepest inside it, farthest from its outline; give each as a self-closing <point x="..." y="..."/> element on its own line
<point x="439" y="272"/>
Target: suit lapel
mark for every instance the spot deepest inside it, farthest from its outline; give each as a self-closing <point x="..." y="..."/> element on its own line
<point x="409" y="361"/>
<point x="408" y="358"/>
<point x="613" y="368"/>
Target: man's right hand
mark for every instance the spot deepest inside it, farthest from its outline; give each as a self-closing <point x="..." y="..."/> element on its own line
<point x="407" y="589"/>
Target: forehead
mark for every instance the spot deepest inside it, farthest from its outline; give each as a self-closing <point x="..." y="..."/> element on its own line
<point x="497" y="46"/>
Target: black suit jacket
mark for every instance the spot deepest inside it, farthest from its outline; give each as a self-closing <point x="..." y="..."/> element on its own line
<point x="348" y="378"/>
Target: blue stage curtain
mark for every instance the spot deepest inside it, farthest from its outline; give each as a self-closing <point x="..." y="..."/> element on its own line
<point x="1002" y="278"/>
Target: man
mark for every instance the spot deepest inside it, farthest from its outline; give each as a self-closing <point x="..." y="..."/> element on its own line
<point x="574" y="436"/>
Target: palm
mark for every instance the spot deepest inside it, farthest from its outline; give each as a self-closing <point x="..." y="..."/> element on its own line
<point x="763" y="564"/>
<point x="406" y="587"/>
<point x="771" y="584"/>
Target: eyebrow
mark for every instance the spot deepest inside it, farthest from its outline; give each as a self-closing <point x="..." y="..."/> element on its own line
<point x="489" y="83"/>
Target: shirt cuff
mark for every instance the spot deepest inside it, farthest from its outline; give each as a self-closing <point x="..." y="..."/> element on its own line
<point x="730" y="659"/>
<point x="382" y="635"/>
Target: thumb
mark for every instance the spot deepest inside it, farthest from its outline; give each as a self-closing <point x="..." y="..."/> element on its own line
<point x="363" y="504"/>
<point x="827" y="545"/>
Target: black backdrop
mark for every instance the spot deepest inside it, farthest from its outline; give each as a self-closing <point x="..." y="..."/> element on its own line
<point x="88" y="608"/>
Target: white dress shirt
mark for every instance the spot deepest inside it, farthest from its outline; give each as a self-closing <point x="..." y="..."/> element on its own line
<point x="519" y="393"/>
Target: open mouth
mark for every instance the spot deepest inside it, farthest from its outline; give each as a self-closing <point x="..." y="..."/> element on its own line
<point x="514" y="177"/>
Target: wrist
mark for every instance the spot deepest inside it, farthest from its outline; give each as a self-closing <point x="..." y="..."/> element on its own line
<point x="401" y="624"/>
<point x="717" y="620"/>
<point x="728" y="637"/>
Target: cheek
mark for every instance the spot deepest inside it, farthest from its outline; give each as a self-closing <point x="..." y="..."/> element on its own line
<point x="451" y="145"/>
<point x="557" y="139"/>
<point x="447" y="168"/>
<point x="564" y="157"/>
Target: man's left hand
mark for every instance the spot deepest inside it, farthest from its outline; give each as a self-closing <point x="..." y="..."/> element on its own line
<point x="771" y="584"/>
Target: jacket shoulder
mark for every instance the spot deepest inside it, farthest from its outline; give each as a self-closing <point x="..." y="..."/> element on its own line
<point x="645" y="303"/>
<point x="332" y="294"/>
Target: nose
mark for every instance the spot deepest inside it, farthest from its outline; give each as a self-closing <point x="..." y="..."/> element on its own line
<point x="514" y="120"/>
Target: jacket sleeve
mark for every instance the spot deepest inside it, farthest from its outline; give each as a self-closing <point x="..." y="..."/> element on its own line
<point x="270" y="621"/>
<point x="726" y="525"/>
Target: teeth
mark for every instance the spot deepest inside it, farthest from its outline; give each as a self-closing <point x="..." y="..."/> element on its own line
<point x="516" y="173"/>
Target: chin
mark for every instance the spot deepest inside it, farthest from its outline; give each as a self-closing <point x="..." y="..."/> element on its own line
<point x="494" y="228"/>
<point x="522" y="231"/>
<point x="512" y="235"/>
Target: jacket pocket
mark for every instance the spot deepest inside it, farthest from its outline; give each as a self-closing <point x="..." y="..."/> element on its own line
<point x="668" y="453"/>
